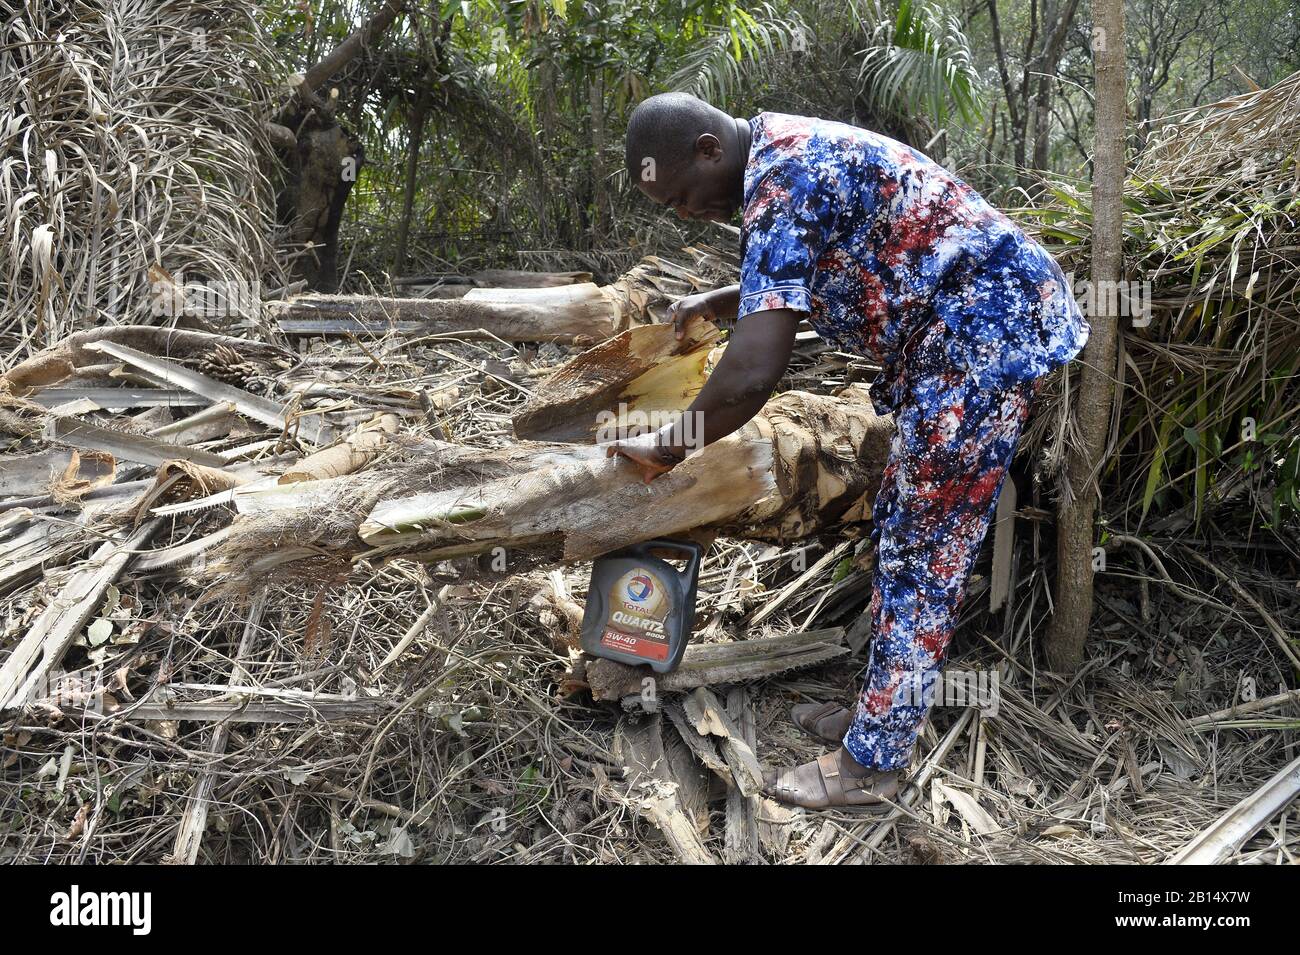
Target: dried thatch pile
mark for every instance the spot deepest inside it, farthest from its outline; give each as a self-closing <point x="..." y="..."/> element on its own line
<point x="132" y="157"/>
<point x="394" y="711"/>
<point x="1209" y="391"/>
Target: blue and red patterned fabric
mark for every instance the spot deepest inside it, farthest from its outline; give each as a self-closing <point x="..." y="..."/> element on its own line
<point x="894" y="258"/>
<point x="872" y="239"/>
<point x="949" y="457"/>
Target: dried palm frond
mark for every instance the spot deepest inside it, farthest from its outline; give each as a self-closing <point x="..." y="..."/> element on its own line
<point x="1209" y="390"/>
<point x="131" y="150"/>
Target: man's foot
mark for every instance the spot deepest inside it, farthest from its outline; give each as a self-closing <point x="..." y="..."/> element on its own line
<point x="827" y="722"/>
<point x="831" y="780"/>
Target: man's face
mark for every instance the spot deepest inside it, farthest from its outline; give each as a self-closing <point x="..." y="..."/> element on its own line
<point x="707" y="186"/>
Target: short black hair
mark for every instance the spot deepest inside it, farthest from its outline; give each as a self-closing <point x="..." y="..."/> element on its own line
<point x="665" y="128"/>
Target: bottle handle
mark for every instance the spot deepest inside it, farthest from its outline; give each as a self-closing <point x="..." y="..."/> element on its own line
<point x="694" y="552"/>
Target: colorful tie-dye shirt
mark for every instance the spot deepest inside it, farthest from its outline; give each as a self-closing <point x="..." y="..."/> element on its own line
<point x="871" y="239"/>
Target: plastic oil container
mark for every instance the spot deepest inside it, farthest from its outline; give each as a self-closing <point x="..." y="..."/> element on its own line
<point x="640" y="608"/>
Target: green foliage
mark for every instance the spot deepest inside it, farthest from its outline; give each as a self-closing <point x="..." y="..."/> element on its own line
<point x="515" y="153"/>
<point x="724" y="55"/>
<point x="920" y="61"/>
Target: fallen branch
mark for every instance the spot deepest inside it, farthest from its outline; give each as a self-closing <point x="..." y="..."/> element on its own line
<point x="639" y="745"/>
<point x="710" y="664"/>
<point x="195" y="819"/>
<point x="566" y="314"/>
<point x="253" y="406"/>
<point x="52" y="633"/>
<point x="1217" y="843"/>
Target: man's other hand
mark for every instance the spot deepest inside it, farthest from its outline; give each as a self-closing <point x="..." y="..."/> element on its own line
<point x="648" y="454"/>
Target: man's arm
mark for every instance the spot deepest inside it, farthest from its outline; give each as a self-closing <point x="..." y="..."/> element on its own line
<point x="751" y="366"/>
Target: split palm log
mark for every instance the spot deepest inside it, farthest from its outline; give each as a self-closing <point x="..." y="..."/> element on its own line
<point x="803" y="464"/>
<point x="622" y="385"/>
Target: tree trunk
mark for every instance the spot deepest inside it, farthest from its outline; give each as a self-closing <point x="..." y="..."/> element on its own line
<point x="599" y="194"/>
<point x="412" y="177"/>
<point x="322" y="159"/>
<point x="321" y="170"/>
<point x="1028" y="122"/>
<point x="1075" y="532"/>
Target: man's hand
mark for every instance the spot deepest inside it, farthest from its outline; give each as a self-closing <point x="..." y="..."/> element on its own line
<point x="682" y="311"/>
<point x="718" y="306"/>
<point x="648" y="452"/>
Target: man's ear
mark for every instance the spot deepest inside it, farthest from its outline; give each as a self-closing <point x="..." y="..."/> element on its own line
<point x="708" y="147"/>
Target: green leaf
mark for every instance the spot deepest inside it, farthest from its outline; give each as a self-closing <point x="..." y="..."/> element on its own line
<point x="1158" y="462"/>
<point x="842" y="570"/>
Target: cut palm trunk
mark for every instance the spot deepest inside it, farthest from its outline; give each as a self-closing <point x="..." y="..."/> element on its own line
<point x="570" y="313"/>
<point x="805" y="464"/>
<point x="576" y="313"/>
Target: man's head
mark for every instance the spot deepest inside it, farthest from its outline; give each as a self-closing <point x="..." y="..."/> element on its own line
<point x="687" y="155"/>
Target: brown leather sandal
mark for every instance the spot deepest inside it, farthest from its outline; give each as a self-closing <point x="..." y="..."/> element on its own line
<point x="827" y="721"/>
<point x="820" y="785"/>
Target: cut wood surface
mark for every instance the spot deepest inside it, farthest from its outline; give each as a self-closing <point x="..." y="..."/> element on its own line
<point x="707" y="714"/>
<point x="639" y="744"/>
<point x="636" y="377"/>
<point x="741" y="833"/>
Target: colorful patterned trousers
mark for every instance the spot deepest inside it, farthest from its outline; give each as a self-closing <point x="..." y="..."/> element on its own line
<point x="949" y="456"/>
